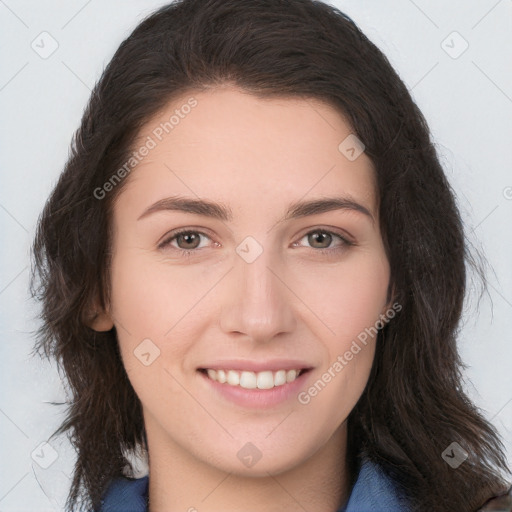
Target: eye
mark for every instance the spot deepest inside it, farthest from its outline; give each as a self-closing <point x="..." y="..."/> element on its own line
<point x="321" y="240"/>
<point x="187" y="241"/>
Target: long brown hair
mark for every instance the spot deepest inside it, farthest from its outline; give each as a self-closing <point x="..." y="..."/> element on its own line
<point x="414" y="406"/>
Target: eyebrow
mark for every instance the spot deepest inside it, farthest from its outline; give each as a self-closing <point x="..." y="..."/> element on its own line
<point x="224" y="213"/>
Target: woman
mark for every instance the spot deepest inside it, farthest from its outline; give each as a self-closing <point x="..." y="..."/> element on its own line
<point x="196" y="318"/>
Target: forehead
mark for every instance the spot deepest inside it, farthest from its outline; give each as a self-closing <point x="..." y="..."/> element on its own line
<point x="228" y="145"/>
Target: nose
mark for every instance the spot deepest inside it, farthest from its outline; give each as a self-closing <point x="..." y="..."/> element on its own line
<point x="257" y="300"/>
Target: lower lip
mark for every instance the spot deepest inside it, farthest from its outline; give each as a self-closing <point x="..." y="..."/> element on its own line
<point x="258" y="398"/>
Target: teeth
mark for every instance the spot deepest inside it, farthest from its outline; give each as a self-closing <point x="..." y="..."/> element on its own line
<point x="221" y="376"/>
<point x="280" y="378"/>
<point x="291" y="375"/>
<point x="252" y="380"/>
<point x="233" y="377"/>
<point x="265" y="380"/>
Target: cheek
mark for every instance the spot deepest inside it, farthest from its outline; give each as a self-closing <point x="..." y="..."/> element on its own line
<point x="332" y="396"/>
<point x="362" y="298"/>
<point x="146" y="304"/>
<point x="150" y="297"/>
<point x="349" y="297"/>
<point x="349" y="309"/>
<point x="160" y="303"/>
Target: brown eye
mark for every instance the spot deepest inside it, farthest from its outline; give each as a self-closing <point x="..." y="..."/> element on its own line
<point x="190" y="240"/>
<point x="322" y="240"/>
<point x="185" y="241"/>
<point x="319" y="237"/>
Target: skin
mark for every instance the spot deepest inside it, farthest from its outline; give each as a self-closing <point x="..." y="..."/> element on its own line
<point x="256" y="156"/>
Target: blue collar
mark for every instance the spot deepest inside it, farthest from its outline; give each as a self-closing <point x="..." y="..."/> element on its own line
<point x="373" y="491"/>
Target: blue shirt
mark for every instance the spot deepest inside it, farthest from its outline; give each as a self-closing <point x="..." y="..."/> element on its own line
<point x="373" y="491"/>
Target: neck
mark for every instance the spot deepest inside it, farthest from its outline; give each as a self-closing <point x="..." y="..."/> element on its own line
<point x="179" y="481"/>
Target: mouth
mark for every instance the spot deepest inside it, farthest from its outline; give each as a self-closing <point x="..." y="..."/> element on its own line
<point x="246" y="379"/>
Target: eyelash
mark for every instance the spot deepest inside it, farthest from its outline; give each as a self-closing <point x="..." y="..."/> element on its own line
<point x="188" y="252"/>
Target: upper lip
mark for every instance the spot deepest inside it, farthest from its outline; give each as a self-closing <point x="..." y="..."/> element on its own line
<point x="257" y="366"/>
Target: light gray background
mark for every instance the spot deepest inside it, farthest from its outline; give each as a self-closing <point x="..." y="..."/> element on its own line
<point x="467" y="101"/>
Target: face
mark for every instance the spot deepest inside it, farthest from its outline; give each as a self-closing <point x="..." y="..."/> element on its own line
<point x="255" y="286"/>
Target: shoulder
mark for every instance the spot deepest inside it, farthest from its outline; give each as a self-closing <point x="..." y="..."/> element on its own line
<point x="502" y="503"/>
<point x="374" y="491"/>
<point x="126" y="495"/>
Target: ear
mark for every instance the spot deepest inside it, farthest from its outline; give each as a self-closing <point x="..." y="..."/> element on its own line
<point x="97" y="318"/>
<point x="101" y="321"/>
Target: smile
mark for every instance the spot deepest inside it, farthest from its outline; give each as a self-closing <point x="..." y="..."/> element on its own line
<point x="253" y="380"/>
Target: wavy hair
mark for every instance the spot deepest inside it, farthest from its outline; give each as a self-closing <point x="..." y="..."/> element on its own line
<point x="414" y="405"/>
